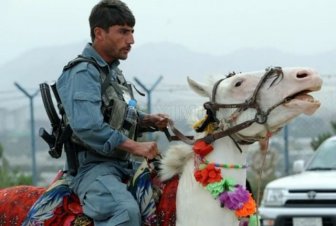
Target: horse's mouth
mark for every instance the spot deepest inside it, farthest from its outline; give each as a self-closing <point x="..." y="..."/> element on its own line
<point x="302" y="96"/>
<point x="302" y="100"/>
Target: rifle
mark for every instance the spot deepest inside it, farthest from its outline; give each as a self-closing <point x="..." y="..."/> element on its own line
<point x="60" y="135"/>
<point x="55" y="147"/>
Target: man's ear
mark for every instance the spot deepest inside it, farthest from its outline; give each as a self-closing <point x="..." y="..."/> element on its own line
<point x="99" y="33"/>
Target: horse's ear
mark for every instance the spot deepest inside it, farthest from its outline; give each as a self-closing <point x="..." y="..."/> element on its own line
<point x="199" y="88"/>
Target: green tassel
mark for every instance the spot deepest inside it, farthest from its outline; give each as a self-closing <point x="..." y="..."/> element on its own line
<point x="253" y="221"/>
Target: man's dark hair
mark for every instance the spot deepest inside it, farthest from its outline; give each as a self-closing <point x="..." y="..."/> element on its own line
<point x="108" y="13"/>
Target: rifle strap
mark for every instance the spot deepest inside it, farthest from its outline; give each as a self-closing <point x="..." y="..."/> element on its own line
<point x="103" y="75"/>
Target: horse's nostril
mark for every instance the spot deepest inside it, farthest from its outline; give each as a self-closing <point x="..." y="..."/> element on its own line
<point x="302" y="74"/>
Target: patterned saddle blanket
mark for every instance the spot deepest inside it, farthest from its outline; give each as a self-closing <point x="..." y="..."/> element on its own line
<point x="58" y="205"/>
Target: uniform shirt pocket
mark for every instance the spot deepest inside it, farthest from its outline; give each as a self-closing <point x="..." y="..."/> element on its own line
<point x="87" y="111"/>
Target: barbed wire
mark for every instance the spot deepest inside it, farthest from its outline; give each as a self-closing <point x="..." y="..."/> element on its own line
<point x="11" y="98"/>
<point x="7" y="91"/>
<point x="6" y="95"/>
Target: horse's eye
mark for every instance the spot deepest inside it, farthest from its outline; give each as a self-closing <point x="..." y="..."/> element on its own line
<point x="238" y="83"/>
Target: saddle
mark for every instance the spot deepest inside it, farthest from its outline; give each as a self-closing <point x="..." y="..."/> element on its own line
<point x="58" y="205"/>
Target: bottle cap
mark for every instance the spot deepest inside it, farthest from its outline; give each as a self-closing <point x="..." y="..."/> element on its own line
<point x="132" y="103"/>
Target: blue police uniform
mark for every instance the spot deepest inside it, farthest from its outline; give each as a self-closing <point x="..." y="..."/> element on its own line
<point x="99" y="181"/>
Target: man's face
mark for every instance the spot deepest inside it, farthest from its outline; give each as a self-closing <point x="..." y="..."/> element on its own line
<point x="116" y="42"/>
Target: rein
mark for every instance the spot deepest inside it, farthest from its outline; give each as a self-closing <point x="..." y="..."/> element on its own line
<point x="212" y="107"/>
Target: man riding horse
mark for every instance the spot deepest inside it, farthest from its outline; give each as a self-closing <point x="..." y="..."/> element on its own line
<point x="93" y="97"/>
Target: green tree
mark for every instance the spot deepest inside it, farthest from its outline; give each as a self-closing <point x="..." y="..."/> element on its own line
<point x="316" y="141"/>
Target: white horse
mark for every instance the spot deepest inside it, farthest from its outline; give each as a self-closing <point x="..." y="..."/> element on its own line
<point x="245" y="107"/>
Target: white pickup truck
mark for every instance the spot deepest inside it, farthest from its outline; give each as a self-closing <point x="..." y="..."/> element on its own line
<point x="307" y="198"/>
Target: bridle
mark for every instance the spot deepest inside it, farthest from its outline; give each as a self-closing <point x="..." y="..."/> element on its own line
<point x="260" y="117"/>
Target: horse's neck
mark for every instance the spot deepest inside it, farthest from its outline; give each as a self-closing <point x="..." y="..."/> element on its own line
<point x="226" y="152"/>
<point x="191" y="193"/>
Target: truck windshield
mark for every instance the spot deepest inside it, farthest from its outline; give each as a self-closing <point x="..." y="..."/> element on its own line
<point x="325" y="156"/>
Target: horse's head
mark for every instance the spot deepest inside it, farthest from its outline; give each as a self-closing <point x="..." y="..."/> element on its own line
<point x="260" y="102"/>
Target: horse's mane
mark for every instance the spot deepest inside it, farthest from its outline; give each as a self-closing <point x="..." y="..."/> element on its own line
<point x="173" y="162"/>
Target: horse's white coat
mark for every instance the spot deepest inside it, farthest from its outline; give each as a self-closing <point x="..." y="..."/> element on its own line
<point x="195" y="206"/>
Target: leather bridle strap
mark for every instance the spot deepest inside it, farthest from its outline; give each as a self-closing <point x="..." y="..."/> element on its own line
<point x="209" y="138"/>
<point x="215" y="136"/>
<point x="179" y="134"/>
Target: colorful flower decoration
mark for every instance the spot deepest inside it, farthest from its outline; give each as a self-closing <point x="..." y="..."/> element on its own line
<point x="202" y="148"/>
<point x="210" y="128"/>
<point x="216" y="188"/>
<point x="208" y="174"/>
<point x="230" y="195"/>
<point x="235" y="199"/>
<point x="248" y="208"/>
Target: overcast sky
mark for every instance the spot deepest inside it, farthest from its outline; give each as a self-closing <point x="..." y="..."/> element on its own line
<point x="211" y="26"/>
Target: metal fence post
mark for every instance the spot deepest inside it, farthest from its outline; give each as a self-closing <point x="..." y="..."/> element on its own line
<point x="286" y="154"/>
<point x="149" y="92"/>
<point x="32" y="129"/>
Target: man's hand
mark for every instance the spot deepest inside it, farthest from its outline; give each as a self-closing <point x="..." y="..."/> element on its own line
<point x="145" y="149"/>
<point x="159" y="121"/>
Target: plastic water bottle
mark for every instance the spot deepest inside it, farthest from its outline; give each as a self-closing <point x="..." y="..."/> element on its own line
<point x="132" y="115"/>
<point x="131" y="119"/>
